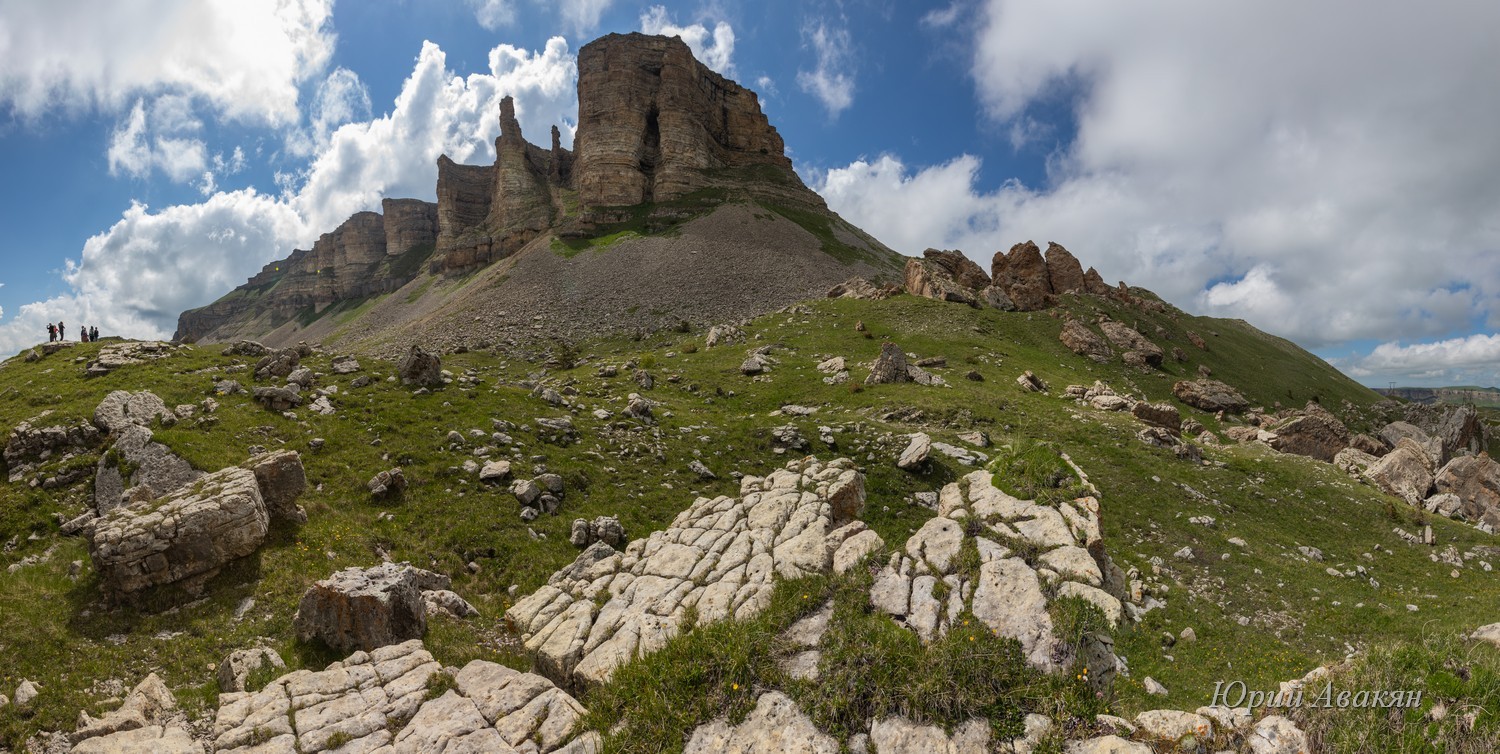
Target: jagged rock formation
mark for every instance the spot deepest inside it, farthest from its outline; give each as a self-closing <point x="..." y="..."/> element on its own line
<point x="661" y="141"/>
<point x="1021" y="280"/>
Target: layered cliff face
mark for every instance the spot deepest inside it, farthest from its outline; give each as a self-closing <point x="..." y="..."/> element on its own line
<point x="367" y="254"/>
<point x="654" y="124"/>
<point x="661" y="141"/>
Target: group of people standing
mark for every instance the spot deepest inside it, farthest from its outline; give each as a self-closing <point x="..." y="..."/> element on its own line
<point x="85" y="334"/>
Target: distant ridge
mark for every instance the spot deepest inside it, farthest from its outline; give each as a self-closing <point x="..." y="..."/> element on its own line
<point x="1479" y="396"/>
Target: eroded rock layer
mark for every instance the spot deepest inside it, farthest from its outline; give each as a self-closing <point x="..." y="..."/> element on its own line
<point x="654" y="124"/>
<point x="719" y="559"/>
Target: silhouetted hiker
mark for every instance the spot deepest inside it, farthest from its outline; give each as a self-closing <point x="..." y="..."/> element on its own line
<point x="83" y="334"/>
<point x="61" y="333"/>
<point x="51" y="332"/>
<point x="93" y="335"/>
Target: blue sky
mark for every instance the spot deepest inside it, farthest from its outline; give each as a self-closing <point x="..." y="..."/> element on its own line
<point x="1328" y="174"/>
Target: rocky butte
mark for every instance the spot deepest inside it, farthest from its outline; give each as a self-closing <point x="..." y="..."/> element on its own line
<point x="675" y="171"/>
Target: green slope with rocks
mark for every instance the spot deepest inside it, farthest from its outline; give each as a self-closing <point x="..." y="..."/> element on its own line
<point x="1224" y="547"/>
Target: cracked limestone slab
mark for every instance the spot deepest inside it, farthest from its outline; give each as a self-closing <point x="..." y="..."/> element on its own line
<point x="719" y="558"/>
<point x="928" y="585"/>
<point x="377" y="702"/>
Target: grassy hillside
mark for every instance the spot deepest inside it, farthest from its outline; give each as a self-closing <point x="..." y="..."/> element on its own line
<point x="1262" y="612"/>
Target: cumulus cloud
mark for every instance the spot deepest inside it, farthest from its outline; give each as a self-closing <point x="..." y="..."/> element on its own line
<point x="1468" y="360"/>
<point x="341" y="98"/>
<point x="1330" y="180"/>
<point x="137" y="276"/>
<point x="714" y="49"/>
<point x="831" y="79"/>
<point x="246" y="59"/>
<point x="134" y="151"/>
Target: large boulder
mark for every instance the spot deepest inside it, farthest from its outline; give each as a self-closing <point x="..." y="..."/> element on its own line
<point x="1392" y="434"/>
<point x="1315" y="434"/>
<point x="945" y="276"/>
<point x="1164" y="415"/>
<point x="1022" y="274"/>
<point x="1405" y="472"/>
<point x="282" y="480"/>
<point x="186" y="535"/>
<point x="278" y="398"/>
<point x="366" y="608"/>
<point x="1210" y="395"/>
<point x="889" y="366"/>
<point x="1138" y="351"/>
<point x="421" y="368"/>
<point x="1081" y="340"/>
<point x="1367" y="444"/>
<point x="1476" y="482"/>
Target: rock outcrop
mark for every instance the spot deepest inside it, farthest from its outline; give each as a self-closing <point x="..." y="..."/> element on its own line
<point x="30" y="445"/>
<point x="1022" y="274"/>
<point x="359" y="608"/>
<point x="148" y="721"/>
<point x="946" y="276"/>
<point x="719" y="559"/>
<point x="1314" y="433"/>
<point x="654" y="125"/>
<point x="1406" y="472"/>
<point x="1210" y="395"/>
<point x="1475" y="480"/>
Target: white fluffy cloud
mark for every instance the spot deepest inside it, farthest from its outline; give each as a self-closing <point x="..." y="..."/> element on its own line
<point x="341" y="98"/>
<point x="493" y="14"/>
<point x="1325" y="171"/>
<point x="137" y="276"/>
<point x="135" y="151"/>
<point x="582" y="16"/>
<point x="714" y="49"/>
<point x="831" y="79"/>
<point x="1456" y="361"/>
<point x="245" y="58"/>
